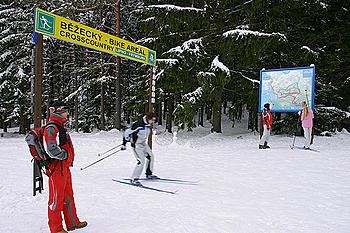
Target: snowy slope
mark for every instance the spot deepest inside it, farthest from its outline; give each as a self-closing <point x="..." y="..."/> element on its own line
<point x="241" y="189"/>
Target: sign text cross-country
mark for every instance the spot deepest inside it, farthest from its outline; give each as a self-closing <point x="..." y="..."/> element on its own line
<point x="68" y="30"/>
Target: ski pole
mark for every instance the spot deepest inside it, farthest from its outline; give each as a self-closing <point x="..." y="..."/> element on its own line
<point x="99" y="160"/>
<point x="109" y="150"/>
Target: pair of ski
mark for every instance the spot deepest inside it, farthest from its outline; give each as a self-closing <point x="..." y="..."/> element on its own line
<point x="303" y="148"/>
<point x="165" y="180"/>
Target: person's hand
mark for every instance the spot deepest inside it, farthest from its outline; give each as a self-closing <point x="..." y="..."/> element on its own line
<point x="123" y="147"/>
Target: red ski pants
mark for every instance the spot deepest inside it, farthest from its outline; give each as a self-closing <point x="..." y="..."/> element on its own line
<point x="61" y="199"/>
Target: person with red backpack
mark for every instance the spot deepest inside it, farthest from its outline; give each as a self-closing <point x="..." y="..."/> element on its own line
<point x="266" y="118"/>
<point x="59" y="148"/>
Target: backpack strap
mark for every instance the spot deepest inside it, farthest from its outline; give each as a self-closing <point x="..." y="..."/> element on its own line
<point x="62" y="132"/>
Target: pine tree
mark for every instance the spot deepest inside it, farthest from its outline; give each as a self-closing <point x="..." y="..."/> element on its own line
<point x="15" y="63"/>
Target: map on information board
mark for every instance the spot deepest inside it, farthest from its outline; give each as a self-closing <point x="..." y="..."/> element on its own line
<point x="286" y="89"/>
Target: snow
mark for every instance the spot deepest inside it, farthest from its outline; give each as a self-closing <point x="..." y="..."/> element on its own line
<point x="6" y="31"/>
<point x="310" y="50"/>
<point x="147" y="40"/>
<point x="169" y="61"/>
<point x="4" y="55"/>
<point x="169" y="7"/>
<point x="194" y="96"/>
<point x="193" y="46"/>
<point x="240" y="188"/>
<point x="149" y="19"/>
<point x="6" y="11"/>
<point x="21" y="73"/>
<point x="10" y="37"/>
<point x="323" y="5"/>
<point x="242" y="33"/>
<point x="218" y="65"/>
<point x="206" y="74"/>
<point x="335" y="109"/>
<point x="347" y="80"/>
<point x="244" y="76"/>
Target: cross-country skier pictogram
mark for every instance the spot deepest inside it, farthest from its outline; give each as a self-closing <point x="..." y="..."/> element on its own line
<point x="45" y="23"/>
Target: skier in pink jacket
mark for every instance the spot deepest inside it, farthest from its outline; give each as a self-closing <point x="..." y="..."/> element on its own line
<point x="307" y="118"/>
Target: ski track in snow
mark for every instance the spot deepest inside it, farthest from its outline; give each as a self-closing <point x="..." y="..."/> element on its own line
<point x="241" y="189"/>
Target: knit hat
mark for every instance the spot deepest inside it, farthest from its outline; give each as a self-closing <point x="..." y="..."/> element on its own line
<point x="59" y="107"/>
<point x="267" y="106"/>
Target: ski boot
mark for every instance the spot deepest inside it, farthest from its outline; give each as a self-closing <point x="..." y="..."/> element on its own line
<point x="266" y="146"/>
<point x="79" y="226"/>
<point x="135" y="182"/>
<point x="152" y="177"/>
<point x="62" y="231"/>
<point x="261" y="147"/>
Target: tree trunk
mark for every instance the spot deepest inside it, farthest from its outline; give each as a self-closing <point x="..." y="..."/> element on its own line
<point x="209" y="113"/>
<point x="4" y="124"/>
<point x="23" y="127"/>
<point x="76" y="115"/>
<point x="225" y="106"/>
<point x="201" y="116"/>
<point x="250" y="119"/>
<point x="169" y="122"/>
<point x="160" y="113"/>
<point x="217" y="114"/>
<point x="102" y="106"/>
<point x="165" y="109"/>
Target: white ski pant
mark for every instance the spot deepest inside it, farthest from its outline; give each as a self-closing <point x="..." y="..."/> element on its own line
<point x="266" y="135"/>
<point x="144" y="156"/>
<point x="308" y="136"/>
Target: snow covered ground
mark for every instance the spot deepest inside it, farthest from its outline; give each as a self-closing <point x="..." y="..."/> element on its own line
<point x="240" y="189"/>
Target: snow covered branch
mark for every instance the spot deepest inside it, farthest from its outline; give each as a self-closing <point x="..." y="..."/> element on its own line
<point x="242" y="34"/>
<point x="194" y="96"/>
<point x="169" y="62"/>
<point x="193" y="46"/>
<point x="169" y="7"/>
<point x="239" y="72"/>
<point x="147" y="40"/>
<point x="217" y="65"/>
<point x="307" y="49"/>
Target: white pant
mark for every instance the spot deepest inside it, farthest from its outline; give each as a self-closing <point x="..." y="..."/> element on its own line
<point x="308" y="136"/>
<point x="266" y="135"/>
<point x="143" y="152"/>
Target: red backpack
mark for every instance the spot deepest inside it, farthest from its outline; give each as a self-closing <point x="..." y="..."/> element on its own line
<point x="35" y="141"/>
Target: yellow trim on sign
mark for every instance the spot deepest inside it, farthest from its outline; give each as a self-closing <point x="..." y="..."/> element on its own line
<point x="76" y="33"/>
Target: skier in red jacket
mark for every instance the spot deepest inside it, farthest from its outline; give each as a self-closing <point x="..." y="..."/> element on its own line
<point x="58" y="145"/>
<point x="266" y="118"/>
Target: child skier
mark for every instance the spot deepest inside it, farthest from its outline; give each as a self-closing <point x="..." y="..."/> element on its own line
<point x="58" y="145"/>
<point x="266" y="118"/>
<point x="307" y="122"/>
<point x="138" y="136"/>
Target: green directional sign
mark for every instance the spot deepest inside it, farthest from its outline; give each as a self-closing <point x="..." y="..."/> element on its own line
<point x="45" y="23"/>
<point x="151" y="58"/>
